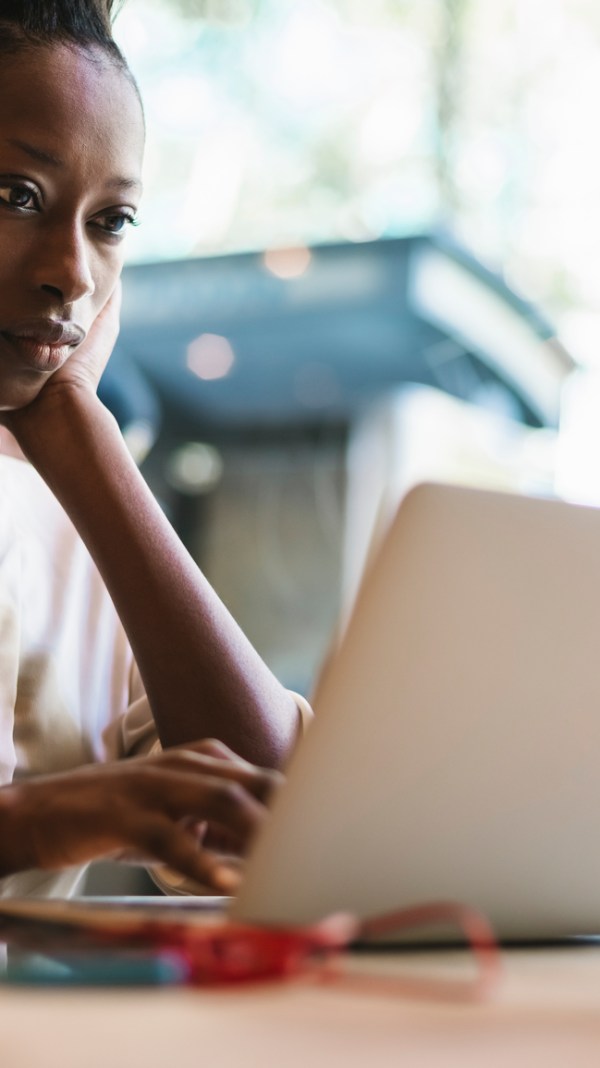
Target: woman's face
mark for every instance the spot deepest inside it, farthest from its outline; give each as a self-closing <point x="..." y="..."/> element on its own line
<point x="71" y="143"/>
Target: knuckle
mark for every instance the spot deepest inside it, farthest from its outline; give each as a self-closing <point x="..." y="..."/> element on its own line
<point x="210" y="743"/>
<point x="228" y="796"/>
<point x="267" y="781"/>
<point x="215" y="749"/>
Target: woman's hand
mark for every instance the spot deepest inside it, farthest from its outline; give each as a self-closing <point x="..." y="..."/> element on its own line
<point x="84" y="368"/>
<point x="20" y="427"/>
<point x="163" y="808"/>
<point x="81" y="372"/>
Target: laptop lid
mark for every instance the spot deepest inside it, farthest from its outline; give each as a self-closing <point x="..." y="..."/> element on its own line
<point x="455" y="753"/>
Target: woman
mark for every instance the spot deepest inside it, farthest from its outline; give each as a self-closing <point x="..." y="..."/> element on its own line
<point x="71" y="142"/>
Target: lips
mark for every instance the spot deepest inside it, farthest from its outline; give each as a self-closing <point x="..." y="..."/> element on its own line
<point x="41" y="345"/>
<point x="47" y="332"/>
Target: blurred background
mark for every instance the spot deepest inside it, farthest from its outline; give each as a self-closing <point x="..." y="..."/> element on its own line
<point x="367" y="255"/>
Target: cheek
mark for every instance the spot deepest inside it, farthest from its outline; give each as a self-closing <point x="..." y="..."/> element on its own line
<point x="15" y="252"/>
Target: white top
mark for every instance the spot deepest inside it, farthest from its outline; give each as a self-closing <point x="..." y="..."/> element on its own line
<point x="70" y="692"/>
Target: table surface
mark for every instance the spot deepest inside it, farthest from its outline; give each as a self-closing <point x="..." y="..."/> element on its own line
<point x="545" y="1010"/>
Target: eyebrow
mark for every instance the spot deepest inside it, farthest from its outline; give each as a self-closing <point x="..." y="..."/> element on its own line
<point x="42" y="156"/>
<point x="36" y="153"/>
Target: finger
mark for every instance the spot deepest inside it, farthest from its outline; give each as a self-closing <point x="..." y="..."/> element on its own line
<point x="218" y="841"/>
<point x="103" y="333"/>
<point x="112" y="307"/>
<point x="214" y="838"/>
<point x="219" y="800"/>
<point x="261" y="782"/>
<point x="170" y="844"/>
<point x="196" y="827"/>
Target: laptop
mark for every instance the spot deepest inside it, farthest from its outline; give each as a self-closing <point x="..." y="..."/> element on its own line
<point x="455" y="753"/>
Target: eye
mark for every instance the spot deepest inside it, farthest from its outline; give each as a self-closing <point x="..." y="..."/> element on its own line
<point x="19" y="196"/>
<point x="115" y="223"/>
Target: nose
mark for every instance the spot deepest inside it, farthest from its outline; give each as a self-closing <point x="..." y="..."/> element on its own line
<point x="63" y="269"/>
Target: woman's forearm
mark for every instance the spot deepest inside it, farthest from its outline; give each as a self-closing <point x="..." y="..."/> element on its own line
<point x="202" y="676"/>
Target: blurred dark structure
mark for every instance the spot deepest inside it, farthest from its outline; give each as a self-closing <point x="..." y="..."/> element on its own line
<point x="315" y="348"/>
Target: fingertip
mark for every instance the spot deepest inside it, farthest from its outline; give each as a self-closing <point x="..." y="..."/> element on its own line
<point x="226" y="879"/>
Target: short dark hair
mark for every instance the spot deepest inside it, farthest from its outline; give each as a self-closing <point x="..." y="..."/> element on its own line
<point x="84" y="23"/>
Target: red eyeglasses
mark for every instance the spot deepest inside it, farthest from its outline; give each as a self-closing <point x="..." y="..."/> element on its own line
<point x="171" y="950"/>
<point x="239" y="953"/>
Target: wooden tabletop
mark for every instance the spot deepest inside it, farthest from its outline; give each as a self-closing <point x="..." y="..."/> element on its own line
<point x="545" y="1011"/>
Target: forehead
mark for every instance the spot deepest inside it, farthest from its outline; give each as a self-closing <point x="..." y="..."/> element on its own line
<point x="74" y="104"/>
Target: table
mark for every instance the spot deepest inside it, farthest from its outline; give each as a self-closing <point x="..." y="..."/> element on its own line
<point x="545" y="1011"/>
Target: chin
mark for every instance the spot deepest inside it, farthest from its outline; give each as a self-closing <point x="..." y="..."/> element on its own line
<point x="17" y="394"/>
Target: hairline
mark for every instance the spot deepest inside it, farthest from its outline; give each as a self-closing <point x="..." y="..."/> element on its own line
<point x="101" y="55"/>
